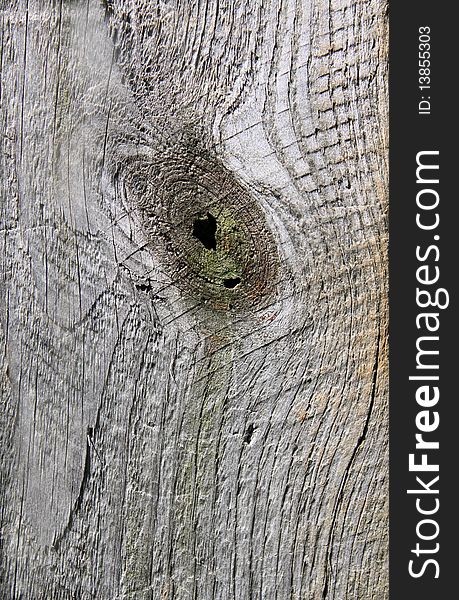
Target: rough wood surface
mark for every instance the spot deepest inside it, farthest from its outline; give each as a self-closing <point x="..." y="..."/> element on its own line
<point x="166" y="435"/>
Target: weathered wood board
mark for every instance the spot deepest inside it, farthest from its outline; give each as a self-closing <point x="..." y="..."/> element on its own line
<point x="193" y="300"/>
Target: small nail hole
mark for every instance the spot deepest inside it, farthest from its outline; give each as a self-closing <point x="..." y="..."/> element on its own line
<point x="248" y="433"/>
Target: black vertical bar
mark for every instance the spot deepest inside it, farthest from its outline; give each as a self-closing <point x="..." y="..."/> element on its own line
<point x="423" y="35"/>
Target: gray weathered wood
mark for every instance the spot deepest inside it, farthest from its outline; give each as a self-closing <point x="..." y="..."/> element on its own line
<point x="163" y="436"/>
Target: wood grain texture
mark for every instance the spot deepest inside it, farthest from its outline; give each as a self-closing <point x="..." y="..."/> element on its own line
<point x="165" y="437"/>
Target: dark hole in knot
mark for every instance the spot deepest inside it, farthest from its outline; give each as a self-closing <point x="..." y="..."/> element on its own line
<point x="231" y="282"/>
<point x="144" y="287"/>
<point x="204" y="230"/>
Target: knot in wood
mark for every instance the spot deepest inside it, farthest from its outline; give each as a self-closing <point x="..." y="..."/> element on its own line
<point x="206" y="227"/>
